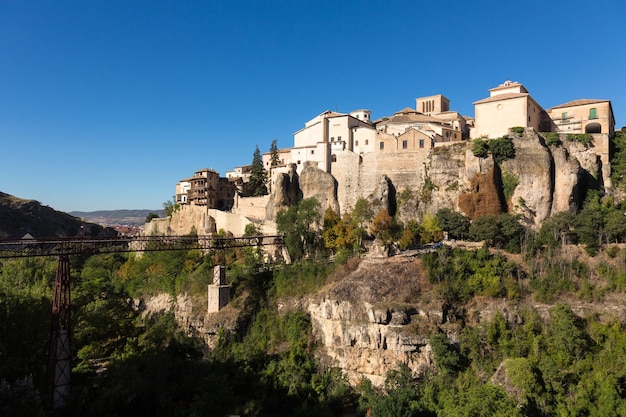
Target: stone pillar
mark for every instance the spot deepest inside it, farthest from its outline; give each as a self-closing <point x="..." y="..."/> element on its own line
<point x="219" y="291"/>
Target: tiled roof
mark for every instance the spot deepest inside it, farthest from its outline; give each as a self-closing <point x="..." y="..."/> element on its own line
<point x="499" y="97"/>
<point x="413" y="117"/>
<point x="579" y="102"/>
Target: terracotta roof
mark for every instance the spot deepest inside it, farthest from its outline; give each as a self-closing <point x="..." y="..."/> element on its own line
<point x="499" y="97"/>
<point x="579" y="102"/>
<point x="413" y="117"/>
<point x="407" y="110"/>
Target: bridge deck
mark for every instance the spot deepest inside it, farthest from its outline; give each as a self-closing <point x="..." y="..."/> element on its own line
<point x="68" y="246"/>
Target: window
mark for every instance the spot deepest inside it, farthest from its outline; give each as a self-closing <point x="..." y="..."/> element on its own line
<point x="382" y="145"/>
<point x="421" y="143"/>
<point x="333" y="158"/>
<point x="564" y="116"/>
<point x="332" y="138"/>
<point x="367" y="141"/>
<point x="356" y="143"/>
<point x="298" y="162"/>
<point x="338" y="138"/>
<point x="405" y="144"/>
<point x="593" y="113"/>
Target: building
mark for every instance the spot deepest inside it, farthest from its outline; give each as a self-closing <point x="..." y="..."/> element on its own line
<point x="206" y="188"/>
<point x="508" y="105"/>
<point x="583" y="116"/>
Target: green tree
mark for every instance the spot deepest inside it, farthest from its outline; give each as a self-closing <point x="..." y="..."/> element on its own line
<point x="558" y="229"/>
<point x="360" y="216"/>
<point x="484" y="228"/>
<point x="501" y="149"/>
<point x="299" y="223"/>
<point x="257" y="185"/>
<point x="274" y="158"/>
<point x="169" y="207"/>
<point x="431" y="231"/>
<point x="456" y="224"/>
<point x="151" y="216"/>
<point x="480" y="148"/>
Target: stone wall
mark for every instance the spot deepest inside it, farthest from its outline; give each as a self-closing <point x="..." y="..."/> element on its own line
<point x="200" y="218"/>
<point x="251" y="207"/>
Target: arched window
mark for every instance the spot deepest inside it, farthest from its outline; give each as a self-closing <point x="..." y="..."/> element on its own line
<point x="333" y="158"/>
<point x="593" y="128"/>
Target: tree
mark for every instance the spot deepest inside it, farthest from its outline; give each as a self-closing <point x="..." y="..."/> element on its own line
<point x="484" y="228"/>
<point x="382" y="226"/>
<point x="297" y="223"/>
<point x="151" y="216"/>
<point x="431" y="232"/>
<point x="361" y="215"/>
<point x="456" y="224"/>
<point x="501" y="149"/>
<point x="258" y="177"/>
<point x="169" y="207"/>
<point x="480" y="148"/>
<point x="274" y="159"/>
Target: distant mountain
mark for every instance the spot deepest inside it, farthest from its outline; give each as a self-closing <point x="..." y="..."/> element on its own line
<point x="117" y="217"/>
<point x="19" y="217"/>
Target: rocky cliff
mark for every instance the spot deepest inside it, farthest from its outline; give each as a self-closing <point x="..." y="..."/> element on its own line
<point x="537" y="182"/>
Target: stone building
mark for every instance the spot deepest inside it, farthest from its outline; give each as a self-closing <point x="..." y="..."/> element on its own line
<point x="206" y="188"/>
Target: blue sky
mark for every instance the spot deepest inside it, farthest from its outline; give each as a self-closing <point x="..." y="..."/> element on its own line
<point x="107" y="104"/>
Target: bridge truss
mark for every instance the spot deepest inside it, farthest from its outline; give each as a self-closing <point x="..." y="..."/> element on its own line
<point x="60" y="355"/>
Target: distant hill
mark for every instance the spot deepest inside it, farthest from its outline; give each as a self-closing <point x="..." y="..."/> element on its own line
<point x="117" y="217"/>
<point x="19" y="217"/>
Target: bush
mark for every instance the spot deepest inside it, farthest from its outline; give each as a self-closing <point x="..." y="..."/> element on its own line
<point x="553" y="138"/>
<point x="509" y="183"/>
<point x="518" y="130"/>
<point x="584" y="138"/>
<point x="480" y="148"/>
<point x="501" y="149"/>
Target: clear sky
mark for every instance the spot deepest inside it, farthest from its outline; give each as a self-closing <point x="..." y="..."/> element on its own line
<point x="107" y="104"/>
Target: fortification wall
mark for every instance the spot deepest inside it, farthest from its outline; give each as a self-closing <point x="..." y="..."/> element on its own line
<point x="359" y="175"/>
<point x="252" y="207"/>
<point x="199" y="218"/>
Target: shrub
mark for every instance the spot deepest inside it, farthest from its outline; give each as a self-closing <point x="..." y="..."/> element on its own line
<point x="518" y="130"/>
<point x="509" y="183"/>
<point x="501" y="149"/>
<point x="553" y="139"/>
<point x="584" y="138"/>
<point x="480" y="148"/>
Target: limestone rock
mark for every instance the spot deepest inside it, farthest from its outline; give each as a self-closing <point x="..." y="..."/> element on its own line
<point x="483" y="197"/>
<point x="320" y="185"/>
<point x="286" y="192"/>
<point x="532" y="166"/>
<point x="567" y="173"/>
<point x="379" y="199"/>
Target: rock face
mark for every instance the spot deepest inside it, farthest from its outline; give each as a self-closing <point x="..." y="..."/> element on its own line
<point x="366" y="325"/>
<point x="319" y="184"/>
<point x="285" y="193"/>
<point x="539" y="180"/>
<point x="533" y="168"/>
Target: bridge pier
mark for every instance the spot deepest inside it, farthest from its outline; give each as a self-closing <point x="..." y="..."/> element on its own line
<point x="219" y="291"/>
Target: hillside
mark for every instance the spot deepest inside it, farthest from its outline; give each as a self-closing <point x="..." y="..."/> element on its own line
<point x="117" y="217"/>
<point x="19" y="217"/>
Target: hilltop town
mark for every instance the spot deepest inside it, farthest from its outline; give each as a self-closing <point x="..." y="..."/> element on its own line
<point x="339" y="158"/>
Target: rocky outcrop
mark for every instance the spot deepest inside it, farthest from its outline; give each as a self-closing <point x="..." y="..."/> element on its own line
<point x="286" y="192"/>
<point x="567" y="174"/>
<point x="318" y="184"/>
<point x="368" y="325"/>
<point x="198" y="219"/>
<point x="483" y="197"/>
<point x="532" y="169"/>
